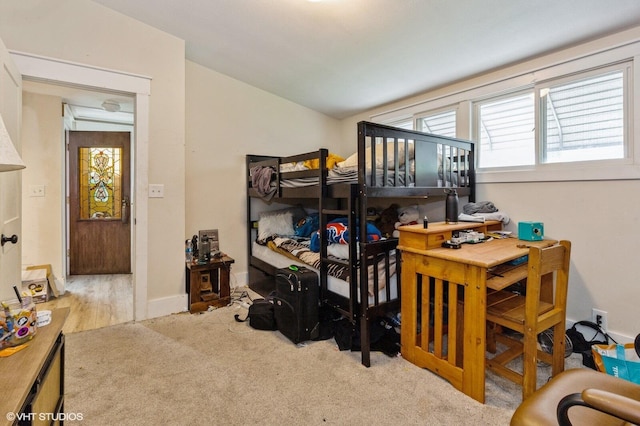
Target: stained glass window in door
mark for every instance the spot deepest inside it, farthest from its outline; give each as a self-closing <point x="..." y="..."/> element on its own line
<point x="100" y="183"/>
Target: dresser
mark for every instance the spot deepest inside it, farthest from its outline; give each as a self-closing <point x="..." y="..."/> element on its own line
<point x="32" y="380"/>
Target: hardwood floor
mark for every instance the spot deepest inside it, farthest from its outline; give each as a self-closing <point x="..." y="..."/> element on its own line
<point x="95" y="301"/>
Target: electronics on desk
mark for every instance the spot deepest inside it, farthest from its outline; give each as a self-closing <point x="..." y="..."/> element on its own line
<point x="530" y="231"/>
<point x="464" y="236"/>
<point x="467" y="236"/>
<point x="452" y="245"/>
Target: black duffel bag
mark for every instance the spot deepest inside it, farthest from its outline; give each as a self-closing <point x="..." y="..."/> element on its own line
<point x="260" y="316"/>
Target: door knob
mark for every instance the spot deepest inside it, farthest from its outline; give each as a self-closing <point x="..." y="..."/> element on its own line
<point x="12" y="239"/>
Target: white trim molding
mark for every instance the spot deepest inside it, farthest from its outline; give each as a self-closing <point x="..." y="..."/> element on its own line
<point x="91" y="77"/>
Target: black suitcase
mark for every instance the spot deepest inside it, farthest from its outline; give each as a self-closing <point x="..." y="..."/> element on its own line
<point x="296" y="303"/>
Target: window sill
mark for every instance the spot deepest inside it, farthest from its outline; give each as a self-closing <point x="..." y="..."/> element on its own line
<point x="565" y="172"/>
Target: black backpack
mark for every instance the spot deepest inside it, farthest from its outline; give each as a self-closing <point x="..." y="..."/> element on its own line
<point x="583" y="346"/>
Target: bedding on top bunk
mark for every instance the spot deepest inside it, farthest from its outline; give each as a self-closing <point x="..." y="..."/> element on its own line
<point x="346" y="170"/>
<point x="335" y="161"/>
<point x="350" y="175"/>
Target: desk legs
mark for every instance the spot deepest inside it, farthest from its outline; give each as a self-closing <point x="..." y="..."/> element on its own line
<point x="474" y="334"/>
<point x="430" y="290"/>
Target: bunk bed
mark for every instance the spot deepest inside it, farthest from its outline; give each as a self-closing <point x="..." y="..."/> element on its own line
<point x="390" y="163"/>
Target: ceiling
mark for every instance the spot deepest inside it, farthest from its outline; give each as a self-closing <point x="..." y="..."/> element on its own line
<point x="342" y="57"/>
<point x="87" y="105"/>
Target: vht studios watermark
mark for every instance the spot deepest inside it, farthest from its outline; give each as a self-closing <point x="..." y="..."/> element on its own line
<point x="44" y="417"/>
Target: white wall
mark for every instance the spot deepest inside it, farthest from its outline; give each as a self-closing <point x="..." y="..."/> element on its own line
<point x="43" y="154"/>
<point x="226" y="120"/>
<point x="81" y="31"/>
<point x="600" y="218"/>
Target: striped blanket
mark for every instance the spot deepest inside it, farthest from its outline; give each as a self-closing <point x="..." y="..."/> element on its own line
<point x="300" y="251"/>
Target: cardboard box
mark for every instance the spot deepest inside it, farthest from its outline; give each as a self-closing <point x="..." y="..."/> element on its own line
<point x="36" y="284"/>
<point x="53" y="289"/>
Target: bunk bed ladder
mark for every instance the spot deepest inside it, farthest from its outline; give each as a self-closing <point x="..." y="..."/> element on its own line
<point x="349" y="211"/>
<point x="322" y="222"/>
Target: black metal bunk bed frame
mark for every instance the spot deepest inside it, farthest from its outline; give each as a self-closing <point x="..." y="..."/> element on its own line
<point x="455" y="162"/>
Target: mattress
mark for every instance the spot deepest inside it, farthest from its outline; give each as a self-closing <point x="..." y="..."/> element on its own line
<point x="334" y="285"/>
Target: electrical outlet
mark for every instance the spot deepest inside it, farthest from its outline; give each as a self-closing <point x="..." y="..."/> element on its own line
<point x="156" y="190"/>
<point x="36" y="190"/>
<point x="600" y="318"/>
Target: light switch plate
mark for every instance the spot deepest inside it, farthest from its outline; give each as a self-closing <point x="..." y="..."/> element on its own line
<point x="156" y="190"/>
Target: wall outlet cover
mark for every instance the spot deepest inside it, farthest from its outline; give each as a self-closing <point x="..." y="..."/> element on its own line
<point x="156" y="190"/>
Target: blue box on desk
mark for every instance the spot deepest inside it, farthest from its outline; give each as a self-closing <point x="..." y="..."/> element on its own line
<point x="530" y="231"/>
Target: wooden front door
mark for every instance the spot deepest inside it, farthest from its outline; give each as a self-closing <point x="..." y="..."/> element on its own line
<point x="99" y="190"/>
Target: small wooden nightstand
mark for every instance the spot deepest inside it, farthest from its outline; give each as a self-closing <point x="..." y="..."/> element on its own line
<point x="208" y="283"/>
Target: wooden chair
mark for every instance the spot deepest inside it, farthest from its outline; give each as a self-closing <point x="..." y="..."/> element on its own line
<point x="542" y="307"/>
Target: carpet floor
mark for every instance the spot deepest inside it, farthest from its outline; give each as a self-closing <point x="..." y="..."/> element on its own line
<point x="208" y="369"/>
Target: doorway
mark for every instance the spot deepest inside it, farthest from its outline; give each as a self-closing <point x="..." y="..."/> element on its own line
<point x="98" y="297"/>
<point x="139" y="88"/>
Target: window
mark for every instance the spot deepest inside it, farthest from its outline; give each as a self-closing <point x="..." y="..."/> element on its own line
<point x="406" y="124"/>
<point x="566" y="116"/>
<point x="581" y="119"/>
<point x="441" y="123"/>
<point x="100" y="183"/>
<point x="506" y="131"/>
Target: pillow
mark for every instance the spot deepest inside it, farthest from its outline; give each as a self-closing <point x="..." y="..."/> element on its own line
<point x="275" y="224"/>
<point x="352" y="161"/>
<point x="278" y="222"/>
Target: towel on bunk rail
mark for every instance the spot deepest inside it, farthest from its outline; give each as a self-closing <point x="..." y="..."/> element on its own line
<point x="261" y="181"/>
<point x="338" y="232"/>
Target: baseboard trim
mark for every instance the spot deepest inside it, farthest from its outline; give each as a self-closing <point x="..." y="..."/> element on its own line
<point x="166" y="306"/>
<point x="239" y="279"/>
<point x="180" y="303"/>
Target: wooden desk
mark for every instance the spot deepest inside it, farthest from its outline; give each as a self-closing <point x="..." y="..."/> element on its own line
<point x="208" y="283"/>
<point x="32" y="380"/>
<point x="444" y="299"/>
